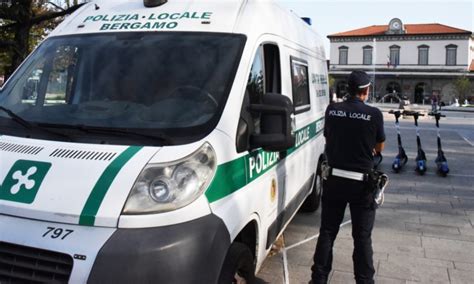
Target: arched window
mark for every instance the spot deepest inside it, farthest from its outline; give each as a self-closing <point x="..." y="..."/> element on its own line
<point x="343" y="55"/>
<point x="420" y="90"/>
<point x="451" y="54"/>
<point x="423" y="54"/>
<point x="367" y="55"/>
<point x="393" y="87"/>
<point x="394" y="55"/>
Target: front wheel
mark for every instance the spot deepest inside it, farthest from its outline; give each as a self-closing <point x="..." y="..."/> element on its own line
<point x="238" y="266"/>
<point x="421" y="167"/>
<point x="396" y="166"/>
<point x="443" y="169"/>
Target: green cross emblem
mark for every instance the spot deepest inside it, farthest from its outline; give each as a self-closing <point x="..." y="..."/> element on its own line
<point x="23" y="181"/>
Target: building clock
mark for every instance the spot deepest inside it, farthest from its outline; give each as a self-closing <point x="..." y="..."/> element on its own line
<point x="396" y="26"/>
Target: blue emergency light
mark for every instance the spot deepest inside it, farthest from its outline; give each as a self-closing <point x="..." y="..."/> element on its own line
<point x="154" y="3"/>
<point x="308" y="20"/>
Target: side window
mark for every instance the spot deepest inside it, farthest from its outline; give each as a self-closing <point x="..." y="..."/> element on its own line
<point x="256" y="86"/>
<point x="264" y="77"/>
<point x="300" y="82"/>
<point x="256" y="82"/>
<point x="272" y="69"/>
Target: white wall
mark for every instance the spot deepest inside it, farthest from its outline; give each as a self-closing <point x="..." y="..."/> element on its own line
<point x="471" y="49"/>
<point x="408" y="52"/>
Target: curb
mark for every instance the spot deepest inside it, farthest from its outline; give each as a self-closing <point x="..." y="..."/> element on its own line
<point x="421" y="108"/>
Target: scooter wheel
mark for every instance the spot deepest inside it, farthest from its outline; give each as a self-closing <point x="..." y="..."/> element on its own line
<point x="396" y="168"/>
<point x="420" y="170"/>
<point x="421" y="167"/>
<point x="443" y="170"/>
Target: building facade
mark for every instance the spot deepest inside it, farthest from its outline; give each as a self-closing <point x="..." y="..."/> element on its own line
<point x="413" y="61"/>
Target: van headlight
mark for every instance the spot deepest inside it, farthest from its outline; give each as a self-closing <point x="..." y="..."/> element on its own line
<point x="170" y="186"/>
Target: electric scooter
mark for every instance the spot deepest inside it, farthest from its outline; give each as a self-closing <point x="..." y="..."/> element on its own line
<point x="401" y="159"/>
<point x="420" y="157"/>
<point x="441" y="162"/>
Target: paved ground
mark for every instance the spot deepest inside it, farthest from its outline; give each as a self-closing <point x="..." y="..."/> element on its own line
<point x="425" y="230"/>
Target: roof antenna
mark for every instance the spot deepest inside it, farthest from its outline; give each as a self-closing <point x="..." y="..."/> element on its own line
<point x="96" y="7"/>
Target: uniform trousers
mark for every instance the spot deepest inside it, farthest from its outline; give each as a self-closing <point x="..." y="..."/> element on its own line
<point x="337" y="193"/>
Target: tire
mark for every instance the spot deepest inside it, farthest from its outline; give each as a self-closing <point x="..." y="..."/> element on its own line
<point x="396" y="166"/>
<point x="238" y="263"/>
<point x="312" y="202"/>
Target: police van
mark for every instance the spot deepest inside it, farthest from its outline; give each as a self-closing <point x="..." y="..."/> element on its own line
<point x="164" y="142"/>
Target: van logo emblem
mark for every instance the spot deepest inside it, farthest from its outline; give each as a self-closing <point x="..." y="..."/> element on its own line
<point x="23" y="181"/>
<point x="273" y="191"/>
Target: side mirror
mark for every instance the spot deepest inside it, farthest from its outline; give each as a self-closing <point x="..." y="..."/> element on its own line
<point x="275" y="124"/>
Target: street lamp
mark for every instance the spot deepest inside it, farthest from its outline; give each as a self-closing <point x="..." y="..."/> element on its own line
<point x="374" y="61"/>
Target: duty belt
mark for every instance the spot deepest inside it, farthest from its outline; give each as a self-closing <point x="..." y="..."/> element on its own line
<point x="327" y="171"/>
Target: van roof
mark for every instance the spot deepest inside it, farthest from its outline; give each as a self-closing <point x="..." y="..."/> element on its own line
<point x="176" y="15"/>
<point x="249" y="17"/>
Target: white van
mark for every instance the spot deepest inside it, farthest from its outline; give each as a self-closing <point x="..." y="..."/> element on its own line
<point x="162" y="142"/>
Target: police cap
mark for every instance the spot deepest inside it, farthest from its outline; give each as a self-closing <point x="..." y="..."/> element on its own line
<point x="358" y="80"/>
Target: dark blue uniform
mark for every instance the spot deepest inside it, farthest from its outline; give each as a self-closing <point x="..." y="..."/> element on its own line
<point x="352" y="130"/>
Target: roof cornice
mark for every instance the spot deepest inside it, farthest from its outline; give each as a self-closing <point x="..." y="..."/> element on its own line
<point x="401" y="37"/>
<point x="469" y="34"/>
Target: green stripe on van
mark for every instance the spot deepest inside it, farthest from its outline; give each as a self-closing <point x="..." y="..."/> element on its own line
<point x="236" y="174"/>
<point x="97" y="195"/>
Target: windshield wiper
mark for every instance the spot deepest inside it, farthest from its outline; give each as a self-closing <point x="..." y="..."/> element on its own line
<point x="15" y="117"/>
<point x="118" y="132"/>
<point x="29" y="125"/>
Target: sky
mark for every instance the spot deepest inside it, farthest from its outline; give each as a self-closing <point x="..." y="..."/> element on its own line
<point x="334" y="16"/>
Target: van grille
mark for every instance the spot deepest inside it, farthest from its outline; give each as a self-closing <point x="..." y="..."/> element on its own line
<point x="20" y="264"/>
<point x="83" y="155"/>
<point x="18" y="148"/>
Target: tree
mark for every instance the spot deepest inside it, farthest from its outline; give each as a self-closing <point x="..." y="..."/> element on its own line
<point x="23" y="23"/>
<point x="332" y="81"/>
<point x="463" y="88"/>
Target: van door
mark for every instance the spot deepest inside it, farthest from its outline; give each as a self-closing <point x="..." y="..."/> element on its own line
<point x="266" y="171"/>
<point x="299" y="163"/>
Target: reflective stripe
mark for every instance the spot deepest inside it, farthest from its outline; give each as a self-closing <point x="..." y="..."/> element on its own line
<point x="364" y="86"/>
<point x="100" y="189"/>
<point x="235" y="175"/>
<point x="348" y="174"/>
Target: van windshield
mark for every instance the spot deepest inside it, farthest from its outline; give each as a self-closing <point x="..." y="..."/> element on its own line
<point x="174" y="84"/>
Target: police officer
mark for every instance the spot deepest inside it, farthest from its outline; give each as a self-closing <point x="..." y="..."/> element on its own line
<point x="354" y="132"/>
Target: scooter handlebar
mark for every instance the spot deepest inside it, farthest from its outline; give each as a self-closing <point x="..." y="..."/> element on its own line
<point x="412" y="113"/>
<point x="436" y="114"/>
<point x="396" y="113"/>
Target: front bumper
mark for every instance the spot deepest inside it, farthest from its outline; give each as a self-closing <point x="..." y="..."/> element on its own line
<point x="191" y="252"/>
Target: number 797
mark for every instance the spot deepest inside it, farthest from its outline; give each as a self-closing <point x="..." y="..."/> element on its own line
<point x="56" y="233"/>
